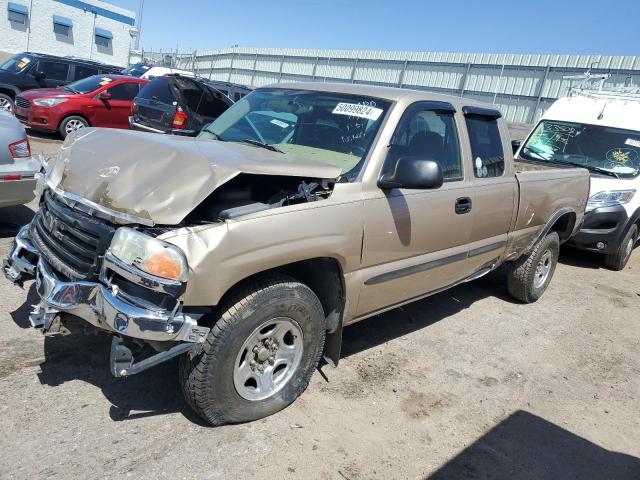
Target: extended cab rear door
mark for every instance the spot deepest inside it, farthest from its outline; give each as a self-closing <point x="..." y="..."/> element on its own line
<point x="414" y="241"/>
<point x="491" y="188"/>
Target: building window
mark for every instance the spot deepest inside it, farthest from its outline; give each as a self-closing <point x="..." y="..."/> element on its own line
<point x="18" y="13"/>
<point x="103" y="37"/>
<point x="62" y="25"/>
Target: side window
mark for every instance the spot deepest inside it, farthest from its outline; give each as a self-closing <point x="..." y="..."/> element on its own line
<point x="84" y="72"/>
<point x="124" y="91"/>
<point x="486" y="146"/>
<point x="430" y="134"/>
<point x="54" y="70"/>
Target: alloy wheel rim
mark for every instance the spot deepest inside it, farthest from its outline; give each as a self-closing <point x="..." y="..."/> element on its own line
<point x="268" y="359"/>
<point x="73" y="125"/>
<point x="543" y="269"/>
<point x="5" y="105"/>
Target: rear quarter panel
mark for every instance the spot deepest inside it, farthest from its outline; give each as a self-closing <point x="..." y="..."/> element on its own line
<point x="542" y="193"/>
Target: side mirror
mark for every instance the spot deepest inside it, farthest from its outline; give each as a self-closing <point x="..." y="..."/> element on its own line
<point x="515" y="145"/>
<point x="104" y="95"/>
<point x="38" y="75"/>
<point x="413" y="173"/>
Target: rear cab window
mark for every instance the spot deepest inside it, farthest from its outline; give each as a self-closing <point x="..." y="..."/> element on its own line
<point x="486" y="142"/>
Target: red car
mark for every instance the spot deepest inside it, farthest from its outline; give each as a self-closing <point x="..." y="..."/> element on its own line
<point x="97" y="101"/>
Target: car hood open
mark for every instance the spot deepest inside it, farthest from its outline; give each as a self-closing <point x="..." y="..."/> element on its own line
<point x="162" y="178"/>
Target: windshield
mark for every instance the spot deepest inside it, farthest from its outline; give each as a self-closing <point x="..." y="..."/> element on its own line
<point x="607" y="149"/>
<point x="135" y="70"/>
<point x="15" y="64"/>
<point x="332" y="128"/>
<point x="88" y="84"/>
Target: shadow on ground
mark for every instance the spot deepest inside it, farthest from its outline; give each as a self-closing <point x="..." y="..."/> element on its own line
<point x="86" y="358"/>
<point x="417" y="315"/>
<point x="527" y="447"/>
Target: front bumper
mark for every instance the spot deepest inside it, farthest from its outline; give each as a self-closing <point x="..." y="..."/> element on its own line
<point x="605" y="226"/>
<point x="101" y="305"/>
<point x="39" y="118"/>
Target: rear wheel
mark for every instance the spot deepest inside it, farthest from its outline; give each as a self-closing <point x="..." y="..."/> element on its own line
<point x="6" y="103"/>
<point x="71" y="124"/>
<point x="260" y="354"/>
<point x="619" y="259"/>
<point x="528" y="277"/>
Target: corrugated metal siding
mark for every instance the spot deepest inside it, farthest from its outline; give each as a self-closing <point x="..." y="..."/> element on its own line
<point x="517" y="83"/>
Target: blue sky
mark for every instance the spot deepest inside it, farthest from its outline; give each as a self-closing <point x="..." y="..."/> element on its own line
<point x="515" y="26"/>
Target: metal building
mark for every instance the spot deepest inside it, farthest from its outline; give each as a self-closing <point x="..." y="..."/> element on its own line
<point x="522" y="86"/>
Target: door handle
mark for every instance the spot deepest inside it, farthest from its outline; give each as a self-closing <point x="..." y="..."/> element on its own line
<point x="463" y="205"/>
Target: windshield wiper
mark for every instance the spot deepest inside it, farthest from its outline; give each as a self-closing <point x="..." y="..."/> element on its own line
<point x="531" y="150"/>
<point x="263" y="145"/>
<point x="591" y="168"/>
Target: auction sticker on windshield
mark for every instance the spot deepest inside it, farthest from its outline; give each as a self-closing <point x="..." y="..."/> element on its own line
<point x="355" y="110"/>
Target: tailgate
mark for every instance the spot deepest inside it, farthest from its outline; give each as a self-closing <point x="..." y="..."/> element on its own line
<point x="153" y="113"/>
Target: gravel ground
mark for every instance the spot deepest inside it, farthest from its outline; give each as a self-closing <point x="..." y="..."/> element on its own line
<point x="465" y="384"/>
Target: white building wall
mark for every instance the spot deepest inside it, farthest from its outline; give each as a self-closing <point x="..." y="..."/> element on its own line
<point x="41" y="38"/>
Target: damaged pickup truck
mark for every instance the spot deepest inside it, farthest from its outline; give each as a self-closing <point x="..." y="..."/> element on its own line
<point x="301" y="209"/>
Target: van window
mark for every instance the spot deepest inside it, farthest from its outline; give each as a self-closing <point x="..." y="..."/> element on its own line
<point x="82" y="71"/>
<point x="54" y="70"/>
<point x="486" y="146"/>
<point x="431" y="135"/>
<point x="158" y="88"/>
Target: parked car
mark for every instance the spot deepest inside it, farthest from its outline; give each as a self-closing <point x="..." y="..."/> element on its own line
<point x="17" y="167"/>
<point x="177" y="104"/>
<point x="150" y="72"/>
<point x="98" y="101"/>
<point x="245" y="251"/>
<point x="599" y="131"/>
<point x="27" y="71"/>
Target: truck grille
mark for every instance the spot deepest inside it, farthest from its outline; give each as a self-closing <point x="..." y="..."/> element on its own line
<point x="72" y="242"/>
<point x="22" y="102"/>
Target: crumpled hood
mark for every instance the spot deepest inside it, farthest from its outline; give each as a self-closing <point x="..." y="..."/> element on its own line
<point x="162" y="178"/>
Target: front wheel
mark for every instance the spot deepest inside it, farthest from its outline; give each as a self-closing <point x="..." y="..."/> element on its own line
<point x="260" y="354"/>
<point x="528" y="277"/>
<point x="6" y="103"/>
<point x="619" y="259"/>
<point x="71" y="124"/>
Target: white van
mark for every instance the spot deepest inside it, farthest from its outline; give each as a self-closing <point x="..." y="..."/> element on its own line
<point x="600" y="131"/>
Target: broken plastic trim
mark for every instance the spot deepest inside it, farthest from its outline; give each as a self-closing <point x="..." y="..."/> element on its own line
<point x="91" y="208"/>
<point x="121" y="360"/>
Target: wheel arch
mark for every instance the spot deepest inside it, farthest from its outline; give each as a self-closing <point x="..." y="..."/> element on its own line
<point x="73" y="114"/>
<point x="563" y="221"/>
<point x="324" y="276"/>
<point x="11" y="90"/>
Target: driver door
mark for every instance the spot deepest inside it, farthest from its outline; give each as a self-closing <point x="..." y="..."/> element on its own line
<point x="416" y="241"/>
<point x="114" y="112"/>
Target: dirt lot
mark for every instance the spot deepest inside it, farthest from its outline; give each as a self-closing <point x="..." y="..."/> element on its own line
<point x="466" y="384"/>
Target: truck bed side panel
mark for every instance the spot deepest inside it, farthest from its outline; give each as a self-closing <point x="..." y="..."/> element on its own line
<point x="543" y="192"/>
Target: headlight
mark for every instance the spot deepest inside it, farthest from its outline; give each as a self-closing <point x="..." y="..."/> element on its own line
<point x="149" y="254"/>
<point x="49" y="102"/>
<point x="608" y="199"/>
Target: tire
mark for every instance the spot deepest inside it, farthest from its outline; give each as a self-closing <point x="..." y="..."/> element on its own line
<point x="6" y="103"/>
<point x="619" y="259"/>
<point x="213" y="381"/>
<point x="71" y="124"/>
<point x="528" y="277"/>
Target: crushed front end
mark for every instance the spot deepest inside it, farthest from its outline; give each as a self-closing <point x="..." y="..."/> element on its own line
<point x="82" y="268"/>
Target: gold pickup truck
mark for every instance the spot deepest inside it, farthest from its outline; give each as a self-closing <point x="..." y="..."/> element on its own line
<point x="301" y="209"/>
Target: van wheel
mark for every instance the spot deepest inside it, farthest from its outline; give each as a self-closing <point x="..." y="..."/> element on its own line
<point x="71" y="124"/>
<point x="619" y="259"/>
<point x="6" y="103"/>
<point x="260" y="354"/>
<point x="528" y="277"/>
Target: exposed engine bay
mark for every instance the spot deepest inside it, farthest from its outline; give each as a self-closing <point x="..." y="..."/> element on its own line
<point x="247" y="194"/>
